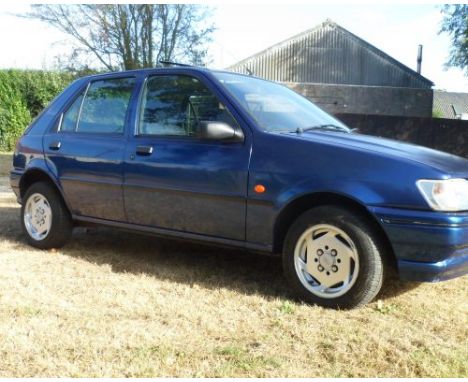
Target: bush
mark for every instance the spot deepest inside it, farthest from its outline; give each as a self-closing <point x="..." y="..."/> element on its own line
<point x="23" y="95"/>
<point x="14" y="114"/>
<point x="437" y="113"/>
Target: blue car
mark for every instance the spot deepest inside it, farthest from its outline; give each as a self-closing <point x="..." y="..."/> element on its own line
<point x="238" y="161"/>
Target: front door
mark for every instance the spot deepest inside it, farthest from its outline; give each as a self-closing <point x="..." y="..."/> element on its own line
<point x="173" y="179"/>
<point x="87" y="150"/>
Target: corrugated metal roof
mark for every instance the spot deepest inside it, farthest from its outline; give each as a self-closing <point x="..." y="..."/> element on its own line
<point x="447" y="104"/>
<point x="330" y="54"/>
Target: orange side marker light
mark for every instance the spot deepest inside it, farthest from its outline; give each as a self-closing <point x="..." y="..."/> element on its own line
<point x="259" y="188"/>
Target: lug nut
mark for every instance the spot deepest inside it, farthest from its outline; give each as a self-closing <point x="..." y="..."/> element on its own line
<point x="333" y="252"/>
<point x="320" y="268"/>
<point x="319" y="252"/>
<point x="334" y="268"/>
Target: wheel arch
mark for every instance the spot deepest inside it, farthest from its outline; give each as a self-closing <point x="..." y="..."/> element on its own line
<point x="291" y="211"/>
<point x="36" y="174"/>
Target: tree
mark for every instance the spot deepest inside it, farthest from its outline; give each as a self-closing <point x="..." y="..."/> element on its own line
<point x="131" y="36"/>
<point x="455" y="22"/>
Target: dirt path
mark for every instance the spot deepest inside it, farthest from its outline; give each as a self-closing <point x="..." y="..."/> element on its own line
<point x="5" y="189"/>
<point x="4" y="184"/>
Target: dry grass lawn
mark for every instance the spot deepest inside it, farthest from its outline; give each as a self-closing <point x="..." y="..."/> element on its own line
<point x="120" y="304"/>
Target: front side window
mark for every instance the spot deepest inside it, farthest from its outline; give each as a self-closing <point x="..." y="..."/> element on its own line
<point x="174" y="105"/>
<point x="274" y="106"/>
<point x="102" y="109"/>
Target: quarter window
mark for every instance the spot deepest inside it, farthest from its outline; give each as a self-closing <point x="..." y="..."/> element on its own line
<point x="71" y="116"/>
<point x="174" y="105"/>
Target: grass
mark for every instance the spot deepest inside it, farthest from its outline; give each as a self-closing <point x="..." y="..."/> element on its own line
<point x="113" y="304"/>
<point x="5" y="163"/>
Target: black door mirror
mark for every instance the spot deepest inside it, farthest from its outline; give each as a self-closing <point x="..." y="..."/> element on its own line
<point x="219" y="131"/>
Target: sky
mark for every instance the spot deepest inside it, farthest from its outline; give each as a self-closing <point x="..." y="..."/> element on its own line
<point x="244" y="29"/>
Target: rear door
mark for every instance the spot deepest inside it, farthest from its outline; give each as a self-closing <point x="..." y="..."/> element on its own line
<point x="86" y="150"/>
<point x="173" y="179"/>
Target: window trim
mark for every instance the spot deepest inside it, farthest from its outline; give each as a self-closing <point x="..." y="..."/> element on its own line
<point x="186" y="138"/>
<point x="136" y="127"/>
<point x="84" y="93"/>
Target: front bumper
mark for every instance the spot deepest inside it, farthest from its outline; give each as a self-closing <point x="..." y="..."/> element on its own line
<point x="443" y="270"/>
<point x="428" y="245"/>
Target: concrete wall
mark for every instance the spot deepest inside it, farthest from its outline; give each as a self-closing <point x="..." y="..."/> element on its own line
<point x="449" y="135"/>
<point x="376" y="100"/>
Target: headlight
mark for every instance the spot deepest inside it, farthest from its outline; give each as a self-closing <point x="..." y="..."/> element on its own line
<point x="445" y="195"/>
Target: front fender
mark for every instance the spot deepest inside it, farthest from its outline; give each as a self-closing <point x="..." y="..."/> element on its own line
<point x="362" y="193"/>
<point x="263" y="214"/>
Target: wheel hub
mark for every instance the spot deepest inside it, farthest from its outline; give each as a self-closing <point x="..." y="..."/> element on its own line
<point x="326" y="260"/>
<point x="37" y="216"/>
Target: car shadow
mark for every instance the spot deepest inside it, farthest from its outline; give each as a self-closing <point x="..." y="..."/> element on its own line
<point x="180" y="261"/>
<point x="177" y="261"/>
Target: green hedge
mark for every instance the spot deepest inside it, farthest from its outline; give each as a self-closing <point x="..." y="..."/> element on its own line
<point x="23" y="94"/>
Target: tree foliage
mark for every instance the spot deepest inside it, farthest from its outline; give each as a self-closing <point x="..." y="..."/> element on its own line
<point x="131" y="36"/>
<point x="455" y="23"/>
<point x="14" y="115"/>
<point x="23" y="95"/>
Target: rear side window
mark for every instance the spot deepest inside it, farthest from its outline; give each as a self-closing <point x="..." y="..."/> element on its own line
<point x="103" y="108"/>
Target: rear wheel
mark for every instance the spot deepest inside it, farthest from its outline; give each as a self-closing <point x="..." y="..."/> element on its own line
<point x="333" y="257"/>
<point x="44" y="217"/>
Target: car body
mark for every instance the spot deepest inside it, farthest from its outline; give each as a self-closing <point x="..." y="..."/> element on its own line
<point x="245" y="191"/>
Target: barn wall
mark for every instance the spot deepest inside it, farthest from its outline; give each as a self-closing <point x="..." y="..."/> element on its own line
<point x="330" y="54"/>
<point x="449" y="135"/>
<point x="374" y="100"/>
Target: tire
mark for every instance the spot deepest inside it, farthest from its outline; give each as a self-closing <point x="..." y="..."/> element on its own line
<point x="45" y="219"/>
<point x="345" y="267"/>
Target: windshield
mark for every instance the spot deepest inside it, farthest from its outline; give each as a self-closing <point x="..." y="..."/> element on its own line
<point x="275" y="107"/>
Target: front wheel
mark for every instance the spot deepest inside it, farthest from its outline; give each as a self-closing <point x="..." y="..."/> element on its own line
<point x="333" y="258"/>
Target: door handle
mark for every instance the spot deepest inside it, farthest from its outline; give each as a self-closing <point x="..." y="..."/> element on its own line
<point x="55" y="145"/>
<point x="144" y="150"/>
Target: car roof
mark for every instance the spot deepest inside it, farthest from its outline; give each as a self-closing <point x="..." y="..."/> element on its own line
<point x="166" y="70"/>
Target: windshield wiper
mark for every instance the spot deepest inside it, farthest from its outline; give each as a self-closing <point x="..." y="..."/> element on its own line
<point x="327" y="127"/>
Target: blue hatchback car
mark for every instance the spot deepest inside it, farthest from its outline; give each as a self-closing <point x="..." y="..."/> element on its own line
<point x="238" y="161"/>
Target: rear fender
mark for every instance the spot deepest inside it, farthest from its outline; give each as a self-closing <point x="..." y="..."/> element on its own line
<point x="45" y="168"/>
